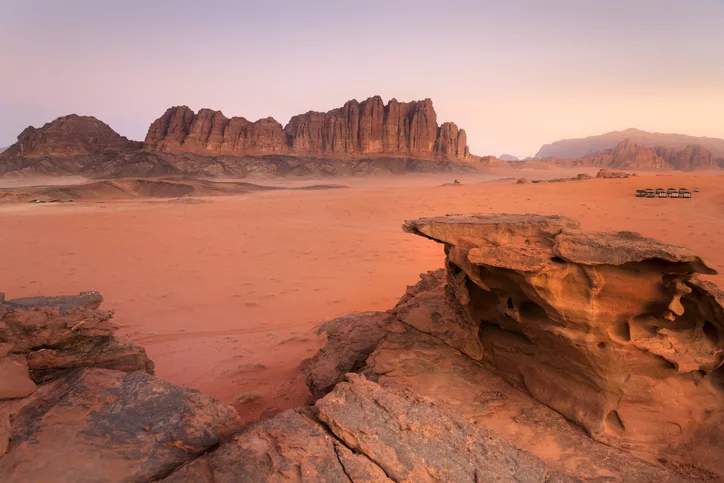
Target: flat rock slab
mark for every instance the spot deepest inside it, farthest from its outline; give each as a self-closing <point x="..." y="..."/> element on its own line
<point x="292" y="446"/>
<point x="412" y="440"/>
<point x="100" y="425"/>
<point x="424" y="365"/>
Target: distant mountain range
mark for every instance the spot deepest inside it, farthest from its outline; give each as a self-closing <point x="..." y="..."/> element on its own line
<point x="357" y="138"/>
<point x="577" y="148"/>
<point x="629" y="155"/>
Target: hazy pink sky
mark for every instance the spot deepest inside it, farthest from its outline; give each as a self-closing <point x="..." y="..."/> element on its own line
<point x="514" y="74"/>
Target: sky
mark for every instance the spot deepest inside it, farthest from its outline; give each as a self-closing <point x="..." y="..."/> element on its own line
<point x="514" y="74"/>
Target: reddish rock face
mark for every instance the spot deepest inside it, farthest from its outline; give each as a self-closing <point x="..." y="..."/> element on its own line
<point x="71" y="135"/>
<point x="357" y="129"/>
<point x="612" y="330"/>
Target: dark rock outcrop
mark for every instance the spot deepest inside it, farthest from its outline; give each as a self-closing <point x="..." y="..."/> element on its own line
<point x="361" y="432"/>
<point x="79" y="404"/>
<point x="105" y="425"/>
<point x="350" y="340"/>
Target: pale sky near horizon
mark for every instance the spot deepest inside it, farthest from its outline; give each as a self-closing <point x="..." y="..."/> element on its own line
<point x="515" y="74"/>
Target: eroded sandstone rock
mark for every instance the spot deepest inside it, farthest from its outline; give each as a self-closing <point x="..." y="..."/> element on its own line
<point x="412" y="440"/>
<point x="614" y="331"/>
<point x="358" y="129"/>
<point x="103" y="425"/>
<point x="424" y="365"/>
<point x="291" y="446"/>
<point x="350" y="340"/>
<point x="56" y="334"/>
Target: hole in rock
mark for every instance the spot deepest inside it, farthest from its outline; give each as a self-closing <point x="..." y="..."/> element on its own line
<point x="717" y="377"/>
<point x="529" y="310"/>
<point x="620" y="332"/>
<point x="557" y="260"/>
<point x="710" y="332"/>
<point x="492" y="331"/>
<point x="614" y="423"/>
<point x="666" y="364"/>
<point x="510" y="303"/>
<point x="601" y="345"/>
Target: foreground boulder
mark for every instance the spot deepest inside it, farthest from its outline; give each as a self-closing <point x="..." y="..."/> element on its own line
<point x="362" y="432"/>
<point x="350" y="340"/>
<point x="79" y="404"/>
<point x="104" y="425"/>
<point x="612" y="330"/>
<point x="51" y="335"/>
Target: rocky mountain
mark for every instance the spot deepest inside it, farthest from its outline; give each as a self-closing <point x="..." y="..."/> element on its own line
<point x="576" y="148"/>
<point x="629" y="155"/>
<point x="508" y="157"/>
<point x="496" y="368"/>
<point x="367" y="128"/>
<point x="70" y="136"/>
<point x="358" y="138"/>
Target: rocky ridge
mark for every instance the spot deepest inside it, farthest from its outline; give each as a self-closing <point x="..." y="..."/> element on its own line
<point x="581" y="147"/>
<point x="629" y="155"/>
<point x="357" y="129"/>
<point x="540" y="353"/>
<point x="359" y="138"/>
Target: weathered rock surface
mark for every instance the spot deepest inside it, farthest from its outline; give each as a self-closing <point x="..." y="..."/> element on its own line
<point x="358" y="129"/>
<point x="350" y="340"/>
<point x="95" y="425"/>
<point x="614" y="331"/>
<point x="412" y="440"/>
<point x="55" y="334"/>
<point x="361" y="432"/>
<point x="291" y="446"/>
<point x="424" y="365"/>
<point x="96" y="413"/>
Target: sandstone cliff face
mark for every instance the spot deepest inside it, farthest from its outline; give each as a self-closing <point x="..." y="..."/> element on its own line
<point x="181" y="130"/>
<point x="71" y="135"/>
<point x="358" y="129"/>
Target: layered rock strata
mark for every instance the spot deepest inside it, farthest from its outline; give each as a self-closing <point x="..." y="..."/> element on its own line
<point x="612" y="330"/>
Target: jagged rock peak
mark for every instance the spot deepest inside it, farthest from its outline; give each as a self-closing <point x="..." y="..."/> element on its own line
<point x="357" y="129"/>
